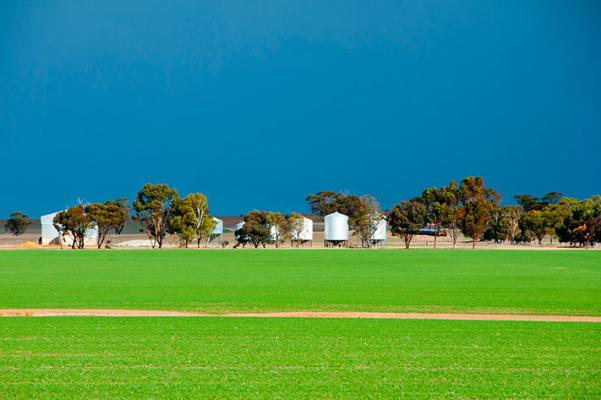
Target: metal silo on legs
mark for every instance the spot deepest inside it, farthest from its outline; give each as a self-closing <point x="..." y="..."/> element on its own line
<point x="336" y="230"/>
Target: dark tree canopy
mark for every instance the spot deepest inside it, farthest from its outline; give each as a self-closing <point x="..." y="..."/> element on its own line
<point x="18" y="223"/>
<point x="152" y="206"/>
<point x="406" y="219"/>
<point x="108" y="216"/>
<point x="257" y="228"/>
<point x="74" y="223"/>
<point x="529" y="202"/>
<point x="478" y="203"/>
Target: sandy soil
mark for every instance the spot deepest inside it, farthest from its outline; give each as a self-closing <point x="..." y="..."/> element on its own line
<point x="48" y="312"/>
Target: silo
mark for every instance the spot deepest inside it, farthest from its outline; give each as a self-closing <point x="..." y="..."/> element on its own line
<point x="379" y="236"/>
<point x="274" y="232"/>
<point x="306" y="234"/>
<point x="336" y="229"/>
<point x="217" y="232"/>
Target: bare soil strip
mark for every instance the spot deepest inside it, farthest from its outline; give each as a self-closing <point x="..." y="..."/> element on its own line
<point x="66" y="312"/>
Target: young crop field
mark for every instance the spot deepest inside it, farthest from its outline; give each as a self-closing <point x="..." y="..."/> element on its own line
<point x="232" y="357"/>
<point x="517" y="282"/>
<point x="84" y="357"/>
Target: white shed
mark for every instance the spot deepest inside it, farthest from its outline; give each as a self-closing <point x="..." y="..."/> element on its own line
<point x="379" y="236"/>
<point x="218" y="229"/>
<point x="307" y="231"/>
<point x="380" y="233"/>
<point x="273" y="232"/>
<point x="51" y="236"/>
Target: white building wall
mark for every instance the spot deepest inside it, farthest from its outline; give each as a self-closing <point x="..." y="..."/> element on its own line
<point x="218" y="229"/>
<point x="307" y="231"/>
<point x="51" y="236"/>
<point x="380" y="233"/>
<point x="273" y="232"/>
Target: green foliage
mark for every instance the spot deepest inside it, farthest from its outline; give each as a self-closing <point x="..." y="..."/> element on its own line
<point x="152" y="207"/>
<point x="529" y="202"/>
<point x="234" y="358"/>
<point x="257" y="228"/>
<point x="580" y="221"/>
<point x="365" y="219"/>
<point x="110" y="216"/>
<point x="363" y="212"/>
<point x="536" y="223"/>
<point x="18" y="223"/>
<point x="190" y="220"/>
<point x="324" y="203"/>
<point x="511" y="216"/>
<point x="282" y="227"/>
<point x="477" y="203"/>
<point x="74" y="223"/>
<point x="406" y="219"/>
<point x="438" y="204"/>
<point x="296" y="224"/>
<point x="182" y="221"/>
<point x="453" y="220"/>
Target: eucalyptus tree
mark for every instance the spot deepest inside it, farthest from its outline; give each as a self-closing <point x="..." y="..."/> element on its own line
<point x="74" y="223"/>
<point x="108" y="216"/>
<point x="18" y="223"/>
<point x="152" y="208"/>
<point x="406" y="219"/>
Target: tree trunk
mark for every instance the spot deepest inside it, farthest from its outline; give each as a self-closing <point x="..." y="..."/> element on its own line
<point x="473" y="243"/>
<point x="407" y="241"/>
<point x="435" y="236"/>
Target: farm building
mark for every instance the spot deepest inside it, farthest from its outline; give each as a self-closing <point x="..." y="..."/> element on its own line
<point x="217" y="232"/>
<point x="51" y="236"/>
<point x="274" y="232"/>
<point x="379" y="236"/>
<point x="306" y="234"/>
<point x="236" y="228"/>
<point x="336" y="230"/>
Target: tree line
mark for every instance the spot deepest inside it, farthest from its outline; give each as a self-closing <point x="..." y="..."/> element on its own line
<point x="467" y="208"/>
<point x="157" y="207"/>
<point x="473" y="210"/>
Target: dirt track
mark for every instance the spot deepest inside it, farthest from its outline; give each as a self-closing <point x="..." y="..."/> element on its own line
<point x="48" y="312"/>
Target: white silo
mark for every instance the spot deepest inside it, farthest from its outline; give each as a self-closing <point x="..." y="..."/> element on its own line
<point x="378" y="238"/>
<point x="306" y="233"/>
<point x="274" y="232"/>
<point x="217" y="232"/>
<point x="336" y="229"/>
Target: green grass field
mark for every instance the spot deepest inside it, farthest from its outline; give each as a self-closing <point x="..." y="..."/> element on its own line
<point x="524" y="282"/>
<point x="86" y="357"/>
<point x="296" y="358"/>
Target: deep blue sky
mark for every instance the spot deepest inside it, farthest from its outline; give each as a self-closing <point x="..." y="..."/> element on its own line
<point x="258" y="104"/>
